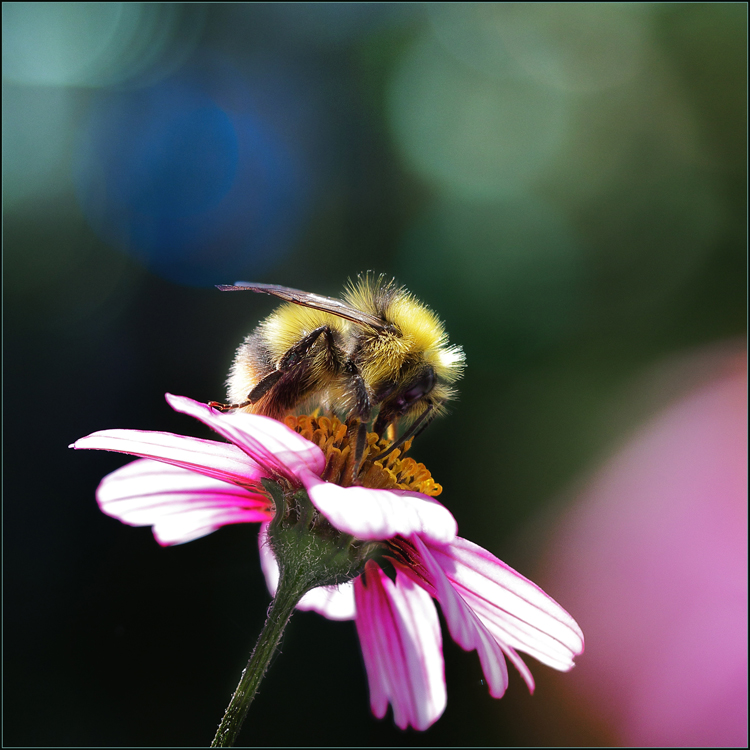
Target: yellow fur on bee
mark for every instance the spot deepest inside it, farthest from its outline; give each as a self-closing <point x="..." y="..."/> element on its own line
<point x="289" y="323"/>
<point x="385" y="347"/>
<point x="419" y="335"/>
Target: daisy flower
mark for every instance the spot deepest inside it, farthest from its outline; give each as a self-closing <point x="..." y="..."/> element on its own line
<point x="387" y="549"/>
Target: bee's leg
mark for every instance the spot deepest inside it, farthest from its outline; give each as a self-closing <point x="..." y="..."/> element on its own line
<point x="260" y="390"/>
<point x="420" y="424"/>
<point x="356" y="425"/>
<point x="382" y="421"/>
<point x="386" y="424"/>
<point x="362" y="409"/>
<point x="284" y="387"/>
<point x="291" y="359"/>
<point x="359" y="446"/>
<point x="265" y="385"/>
<point x="363" y="405"/>
<point x="225" y="407"/>
<point x="302" y="348"/>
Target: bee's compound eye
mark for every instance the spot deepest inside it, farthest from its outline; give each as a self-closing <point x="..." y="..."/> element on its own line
<point x="419" y="388"/>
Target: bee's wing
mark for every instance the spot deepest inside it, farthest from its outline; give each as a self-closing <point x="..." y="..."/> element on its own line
<point x="308" y="299"/>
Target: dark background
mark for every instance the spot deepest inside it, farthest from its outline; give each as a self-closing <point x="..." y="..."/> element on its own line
<point x="565" y="186"/>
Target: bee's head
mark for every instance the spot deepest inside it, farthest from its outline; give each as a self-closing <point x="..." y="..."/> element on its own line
<point x="422" y="386"/>
<point x="408" y="364"/>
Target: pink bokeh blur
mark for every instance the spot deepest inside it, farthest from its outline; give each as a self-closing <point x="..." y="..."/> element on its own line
<point x="651" y="559"/>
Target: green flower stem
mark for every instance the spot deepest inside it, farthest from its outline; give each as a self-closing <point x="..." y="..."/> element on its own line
<point x="290" y="591"/>
<point x="310" y="553"/>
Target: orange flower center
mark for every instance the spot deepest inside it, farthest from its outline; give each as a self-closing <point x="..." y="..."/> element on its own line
<point x="336" y="440"/>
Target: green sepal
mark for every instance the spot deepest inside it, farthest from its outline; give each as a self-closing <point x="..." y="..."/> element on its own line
<point x="305" y="543"/>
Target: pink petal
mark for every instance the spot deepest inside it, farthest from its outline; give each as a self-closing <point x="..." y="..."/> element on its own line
<point x="400" y="635"/>
<point x="519" y="664"/>
<point x="380" y="514"/>
<point x="267" y="441"/>
<point x="515" y="610"/>
<point x="333" y="602"/>
<point x="208" y="457"/>
<point x="465" y="627"/>
<point x="180" y="504"/>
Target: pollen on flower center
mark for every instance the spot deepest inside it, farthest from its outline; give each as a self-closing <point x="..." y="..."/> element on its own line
<point x="335" y="439"/>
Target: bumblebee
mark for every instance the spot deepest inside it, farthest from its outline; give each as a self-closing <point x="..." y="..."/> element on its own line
<point x="377" y="353"/>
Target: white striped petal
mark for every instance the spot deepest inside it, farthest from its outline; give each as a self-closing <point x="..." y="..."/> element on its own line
<point x="380" y="514"/>
<point x="399" y="631"/>
<point x="208" y="457"/>
<point x="465" y="627"/>
<point x="267" y="441"/>
<point x="515" y="610"/>
<point x="180" y="504"/>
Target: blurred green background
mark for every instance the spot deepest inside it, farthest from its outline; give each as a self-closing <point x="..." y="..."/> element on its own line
<point x="564" y="184"/>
